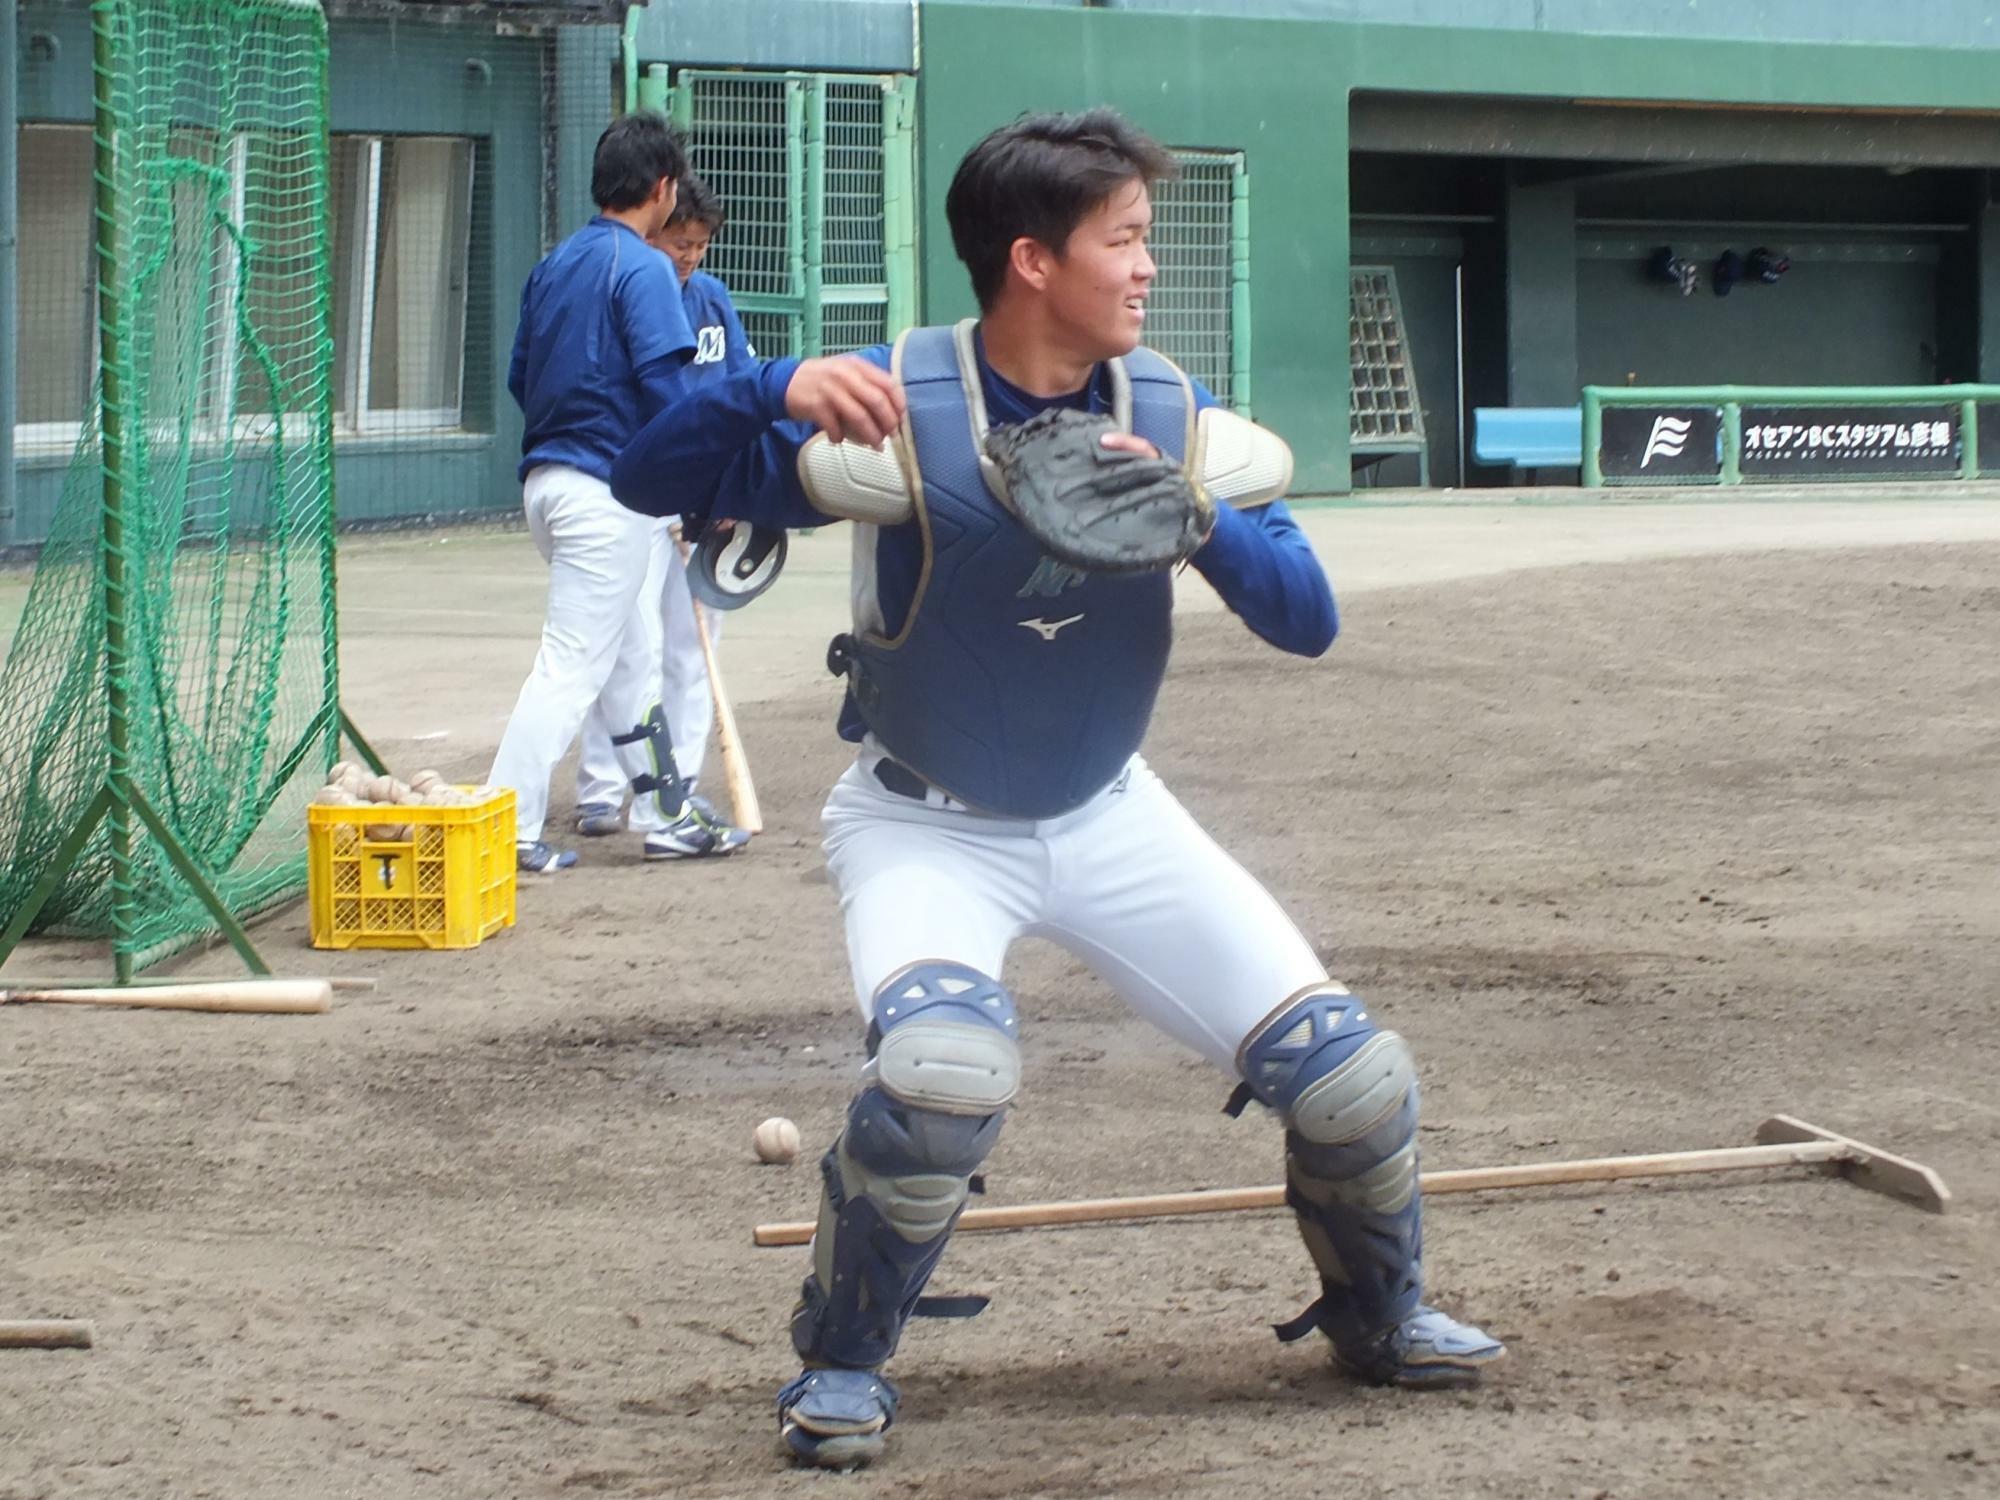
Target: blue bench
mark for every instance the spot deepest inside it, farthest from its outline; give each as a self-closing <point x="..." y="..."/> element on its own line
<point x="1528" y="437"/>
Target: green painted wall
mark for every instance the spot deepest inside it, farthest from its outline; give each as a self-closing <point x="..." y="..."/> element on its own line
<point x="1259" y="86"/>
<point x="1279" y="91"/>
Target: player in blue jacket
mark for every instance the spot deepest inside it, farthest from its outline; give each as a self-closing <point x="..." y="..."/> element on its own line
<point x="687" y="701"/>
<point x="603" y="345"/>
<point x="999" y="700"/>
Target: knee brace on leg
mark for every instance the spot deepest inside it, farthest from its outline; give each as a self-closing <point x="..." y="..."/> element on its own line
<point x="943" y="1066"/>
<point x="1347" y="1092"/>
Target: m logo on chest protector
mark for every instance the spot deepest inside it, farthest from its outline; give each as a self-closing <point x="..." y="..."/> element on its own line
<point x="1047" y="628"/>
<point x="1049" y="579"/>
<point x="711" y="345"/>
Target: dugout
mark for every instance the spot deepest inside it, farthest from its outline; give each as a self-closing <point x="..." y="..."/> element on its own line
<point x="1523" y="276"/>
<point x="1518" y="167"/>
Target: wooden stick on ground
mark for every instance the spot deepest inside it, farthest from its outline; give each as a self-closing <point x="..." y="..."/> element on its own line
<point x="49" y="1333"/>
<point x="1819" y="1149"/>
<point x="338" y="982"/>
<point x="288" y="997"/>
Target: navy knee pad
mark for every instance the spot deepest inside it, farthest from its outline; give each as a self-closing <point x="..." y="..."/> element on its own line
<point x="1347" y="1092"/>
<point x="943" y="1066"/>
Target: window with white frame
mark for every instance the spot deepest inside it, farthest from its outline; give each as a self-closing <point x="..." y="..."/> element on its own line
<point x="401" y="221"/>
<point x="402" y="230"/>
<point x="56" y="288"/>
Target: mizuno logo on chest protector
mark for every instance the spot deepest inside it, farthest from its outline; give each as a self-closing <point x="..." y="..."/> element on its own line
<point x="1048" y="628"/>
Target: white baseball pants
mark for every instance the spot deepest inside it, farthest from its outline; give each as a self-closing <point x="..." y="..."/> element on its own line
<point x="1129" y="883"/>
<point x="684" y="693"/>
<point x="594" y="650"/>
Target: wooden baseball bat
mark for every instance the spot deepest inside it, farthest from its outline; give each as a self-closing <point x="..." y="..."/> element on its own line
<point x="1468" y="1180"/>
<point x="743" y="807"/>
<point x="49" y="1333"/>
<point x="277" y="997"/>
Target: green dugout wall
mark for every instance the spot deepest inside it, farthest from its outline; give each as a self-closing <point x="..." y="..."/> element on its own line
<point x="1285" y="94"/>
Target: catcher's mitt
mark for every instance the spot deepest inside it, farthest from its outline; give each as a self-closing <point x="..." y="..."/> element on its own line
<point x="1093" y="507"/>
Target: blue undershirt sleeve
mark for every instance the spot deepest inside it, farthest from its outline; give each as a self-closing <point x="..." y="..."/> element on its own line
<point x="725" y="448"/>
<point x="1261" y="564"/>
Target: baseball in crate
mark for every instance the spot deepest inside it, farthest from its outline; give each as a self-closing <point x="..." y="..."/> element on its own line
<point x="416" y="864"/>
<point x="1023" y="486"/>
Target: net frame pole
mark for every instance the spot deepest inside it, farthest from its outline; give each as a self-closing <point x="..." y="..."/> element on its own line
<point x="103" y="16"/>
<point x="1239" y="285"/>
<point x="899" y="204"/>
<point x="805" y="165"/>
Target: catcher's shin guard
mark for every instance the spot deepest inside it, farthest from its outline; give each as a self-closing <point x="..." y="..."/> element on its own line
<point x="664" y="780"/>
<point x="1347" y="1092"/>
<point x="943" y="1066"/>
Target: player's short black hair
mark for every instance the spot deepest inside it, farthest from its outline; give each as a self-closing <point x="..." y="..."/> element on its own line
<point x="633" y="154"/>
<point x="697" y="204"/>
<point x="1039" y="177"/>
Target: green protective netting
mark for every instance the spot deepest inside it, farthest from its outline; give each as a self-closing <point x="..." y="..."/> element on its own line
<point x="194" y="540"/>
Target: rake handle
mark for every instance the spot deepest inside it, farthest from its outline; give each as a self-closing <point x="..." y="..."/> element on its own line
<point x="1465" y="1180"/>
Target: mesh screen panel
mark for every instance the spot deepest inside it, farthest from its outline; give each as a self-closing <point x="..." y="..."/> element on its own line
<point x="1191" y="314"/>
<point x="177" y="646"/>
<point x="802" y="163"/>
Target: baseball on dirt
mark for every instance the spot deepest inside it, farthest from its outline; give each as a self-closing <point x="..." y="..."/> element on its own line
<point x="776" y="1141"/>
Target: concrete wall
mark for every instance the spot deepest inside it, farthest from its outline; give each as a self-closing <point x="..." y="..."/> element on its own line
<point x="1278" y="80"/>
<point x="1937" y="23"/>
<point x="877" y="35"/>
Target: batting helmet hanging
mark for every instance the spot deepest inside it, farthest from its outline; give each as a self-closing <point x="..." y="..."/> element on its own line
<point x="727" y="569"/>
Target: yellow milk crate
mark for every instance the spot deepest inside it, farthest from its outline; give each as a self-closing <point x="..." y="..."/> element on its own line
<point x="450" y="884"/>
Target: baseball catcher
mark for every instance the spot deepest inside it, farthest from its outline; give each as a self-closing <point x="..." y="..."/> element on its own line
<point x="1022" y="487"/>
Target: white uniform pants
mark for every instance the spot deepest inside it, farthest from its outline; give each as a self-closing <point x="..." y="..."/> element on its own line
<point x="1129" y="883"/>
<point x="591" y="651"/>
<point x="684" y="692"/>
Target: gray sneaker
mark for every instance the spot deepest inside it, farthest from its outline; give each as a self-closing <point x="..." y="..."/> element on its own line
<point x="698" y="833"/>
<point x="596" y="820"/>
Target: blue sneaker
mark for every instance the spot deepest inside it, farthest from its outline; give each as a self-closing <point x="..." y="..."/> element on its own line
<point x="1427" y="1350"/>
<point x="595" y="820"/>
<point x="837" y="1419"/>
<point x="539" y="858"/>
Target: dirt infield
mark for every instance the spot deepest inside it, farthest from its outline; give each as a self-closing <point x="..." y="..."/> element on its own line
<point x="1637" y="853"/>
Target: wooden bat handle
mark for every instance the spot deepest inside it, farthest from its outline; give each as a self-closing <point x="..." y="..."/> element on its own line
<point x="1467" y="1180"/>
<point x="743" y="805"/>
<point x="282" y="997"/>
<point x="52" y="1333"/>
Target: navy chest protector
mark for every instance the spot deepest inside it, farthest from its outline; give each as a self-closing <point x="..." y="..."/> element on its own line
<point x="1016" y="684"/>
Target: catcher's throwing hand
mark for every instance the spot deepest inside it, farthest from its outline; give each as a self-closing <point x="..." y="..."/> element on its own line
<point x="1099" y="499"/>
<point x="848" y="399"/>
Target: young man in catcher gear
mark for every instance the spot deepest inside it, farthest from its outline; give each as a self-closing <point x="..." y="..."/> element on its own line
<point x="999" y="691"/>
<point x="694" y="829"/>
<point x="603" y="345"/>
